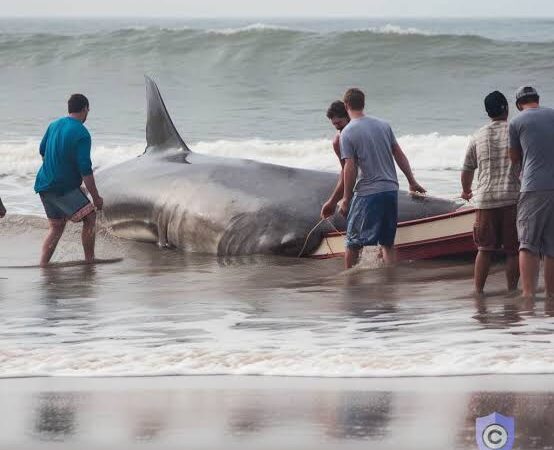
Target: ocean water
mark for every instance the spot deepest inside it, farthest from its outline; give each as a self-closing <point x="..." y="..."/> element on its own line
<point x="162" y="312"/>
<point x="258" y="89"/>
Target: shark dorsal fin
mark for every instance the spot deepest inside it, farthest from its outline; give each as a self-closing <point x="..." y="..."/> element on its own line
<point x="161" y="134"/>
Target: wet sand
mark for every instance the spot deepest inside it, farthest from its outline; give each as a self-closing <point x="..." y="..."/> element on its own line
<point x="266" y="413"/>
<point x="161" y="312"/>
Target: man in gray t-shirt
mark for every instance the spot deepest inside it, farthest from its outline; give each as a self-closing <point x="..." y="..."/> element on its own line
<point x="532" y="145"/>
<point x="370" y="141"/>
<point x="369" y="150"/>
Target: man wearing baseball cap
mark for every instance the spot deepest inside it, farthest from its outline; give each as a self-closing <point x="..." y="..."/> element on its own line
<point x="532" y="145"/>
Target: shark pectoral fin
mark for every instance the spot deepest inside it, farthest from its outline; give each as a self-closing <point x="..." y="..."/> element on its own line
<point x="161" y="133"/>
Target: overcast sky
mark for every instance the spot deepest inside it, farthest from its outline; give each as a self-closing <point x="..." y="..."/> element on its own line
<point x="279" y="8"/>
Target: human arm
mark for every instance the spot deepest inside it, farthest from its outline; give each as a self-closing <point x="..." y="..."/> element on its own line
<point x="467" y="181"/>
<point x="330" y="205"/>
<point x="515" y="151"/>
<point x="516" y="156"/>
<point x="404" y="166"/>
<point x="350" y="173"/>
<point x="468" y="170"/>
<point x="84" y="165"/>
<point x="42" y="147"/>
<point x="90" y="184"/>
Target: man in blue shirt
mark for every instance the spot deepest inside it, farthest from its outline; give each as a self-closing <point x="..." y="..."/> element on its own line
<point x="66" y="164"/>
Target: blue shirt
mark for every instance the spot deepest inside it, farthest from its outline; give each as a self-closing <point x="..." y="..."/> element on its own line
<point x="65" y="151"/>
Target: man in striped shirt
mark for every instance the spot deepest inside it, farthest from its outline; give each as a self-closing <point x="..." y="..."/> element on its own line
<point x="496" y="195"/>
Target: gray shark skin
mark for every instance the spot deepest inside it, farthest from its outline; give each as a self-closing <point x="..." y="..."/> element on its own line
<point x="177" y="198"/>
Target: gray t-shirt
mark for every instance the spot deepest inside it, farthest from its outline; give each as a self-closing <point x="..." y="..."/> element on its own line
<point x="532" y="132"/>
<point x="369" y="142"/>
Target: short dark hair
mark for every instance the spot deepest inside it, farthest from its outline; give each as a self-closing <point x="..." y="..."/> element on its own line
<point x="354" y="98"/>
<point x="337" y="109"/>
<point x="76" y="103"/>
<point x="496" y="104"/>
<point x="534" y="98"/>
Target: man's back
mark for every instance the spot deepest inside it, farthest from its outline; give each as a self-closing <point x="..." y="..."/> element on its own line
<point x="369" y="141"/>
<point x="532" y="132"/>
<point x="65" y="149"/>
<point x="498" y="182"/>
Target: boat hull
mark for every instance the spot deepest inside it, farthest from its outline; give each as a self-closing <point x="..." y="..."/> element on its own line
<point x="438" y="236"/>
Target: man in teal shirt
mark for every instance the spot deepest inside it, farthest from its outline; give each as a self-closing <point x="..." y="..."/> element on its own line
<point x="66" y="164"/>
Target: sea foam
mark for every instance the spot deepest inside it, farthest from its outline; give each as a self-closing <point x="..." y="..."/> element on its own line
<point x="429" y="152"/>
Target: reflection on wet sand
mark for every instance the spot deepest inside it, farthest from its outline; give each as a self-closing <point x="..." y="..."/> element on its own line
<point x="533" y="413"/>
<point x="508" y="313"/>
<point x="55" y="416"/>
<point x="275" y="413"/>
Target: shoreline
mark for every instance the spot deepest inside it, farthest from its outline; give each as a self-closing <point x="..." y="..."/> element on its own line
<point x="489" y="382"/>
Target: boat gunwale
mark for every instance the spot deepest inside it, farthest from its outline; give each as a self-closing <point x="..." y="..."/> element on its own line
<point x="450" y="215"/>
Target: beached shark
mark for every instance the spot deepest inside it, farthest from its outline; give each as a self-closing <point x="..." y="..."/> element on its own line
<point x="225" y="206"/>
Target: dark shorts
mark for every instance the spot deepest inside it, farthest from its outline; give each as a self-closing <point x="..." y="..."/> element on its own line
<point x="73" y="205"/>
<point x="372" y="220"/>
<point x="535" y="222"/>
<point x="495" y="229"/>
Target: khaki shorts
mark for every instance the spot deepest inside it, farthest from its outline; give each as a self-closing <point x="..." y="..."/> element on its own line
<point x="495" y="229"/>
<point x="535" y="222"/>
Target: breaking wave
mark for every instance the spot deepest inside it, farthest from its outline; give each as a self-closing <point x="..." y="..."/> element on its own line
<point x="427" y="152"/>
<point x="39" y="48"/>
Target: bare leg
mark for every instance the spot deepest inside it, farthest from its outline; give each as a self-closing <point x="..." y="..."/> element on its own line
<point x="512" y="271"/>
<point x="481" y="270"/>
<point x="351" y="256"/>
<point x="389" y="255"/>
<point x="549" y="276"/>
<point x="51" y="241"/>
<point x="88" y="236"/>
<point x="529" y="266"/>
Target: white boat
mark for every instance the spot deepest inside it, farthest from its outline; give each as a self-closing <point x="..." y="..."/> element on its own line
<point x="432" y="237"/>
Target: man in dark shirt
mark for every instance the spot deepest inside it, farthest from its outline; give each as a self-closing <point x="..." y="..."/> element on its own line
<point x="339" y="119"/>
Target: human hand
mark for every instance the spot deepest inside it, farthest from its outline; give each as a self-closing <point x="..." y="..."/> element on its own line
<point x="467" y="195"/>
<point x="98" y="202"/>
<point x="344" y="206"/>
<point x="328" y="209"/>
<point x="415" y="187"/>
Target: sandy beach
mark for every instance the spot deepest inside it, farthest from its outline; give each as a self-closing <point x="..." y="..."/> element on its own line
<point x="270" y="412"/>
<point x="341" y="339"/>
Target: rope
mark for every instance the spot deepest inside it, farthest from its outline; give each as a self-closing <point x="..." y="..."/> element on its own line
<point x="335" y="228"/>
<point x="313" y="229"/>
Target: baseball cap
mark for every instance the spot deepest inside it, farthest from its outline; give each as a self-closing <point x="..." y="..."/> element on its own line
<point x="525" y="91"/>
<point x="496" y="104"/>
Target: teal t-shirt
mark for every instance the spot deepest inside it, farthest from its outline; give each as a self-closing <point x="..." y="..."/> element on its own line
<point x="65" y="151"/>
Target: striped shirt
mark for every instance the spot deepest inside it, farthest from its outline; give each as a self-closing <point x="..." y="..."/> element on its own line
<point x="498" y="182"/>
